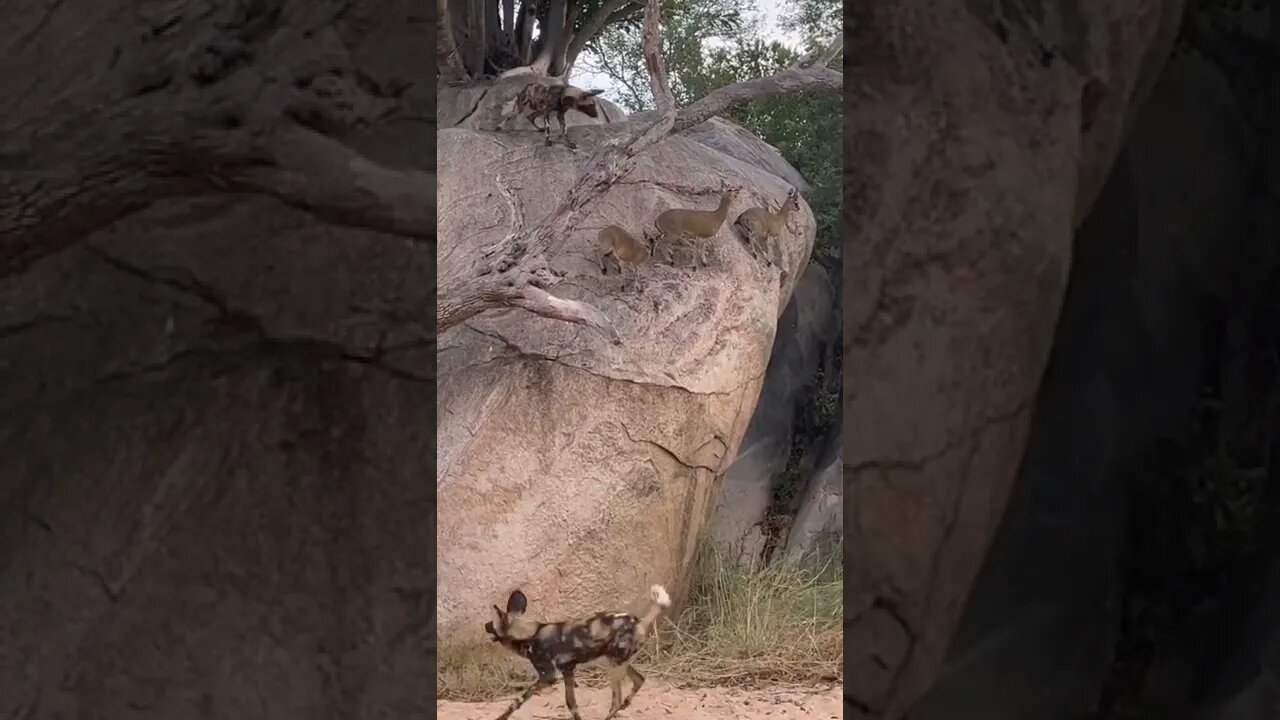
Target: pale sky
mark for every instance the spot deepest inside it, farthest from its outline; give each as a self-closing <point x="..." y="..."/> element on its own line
<point x="769" y="10"/>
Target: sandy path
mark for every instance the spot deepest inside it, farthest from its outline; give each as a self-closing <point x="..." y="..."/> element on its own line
<point x="659" y="702"/>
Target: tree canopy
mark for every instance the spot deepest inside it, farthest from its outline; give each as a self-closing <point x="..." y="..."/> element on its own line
<point x="484" y="38"/>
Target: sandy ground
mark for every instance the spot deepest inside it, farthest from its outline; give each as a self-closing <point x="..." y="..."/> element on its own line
<point x="656" y="701"/>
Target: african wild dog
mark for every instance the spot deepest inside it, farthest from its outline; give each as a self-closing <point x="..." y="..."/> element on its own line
<point x="557" y="648"/>
<point x="540" y="101"/>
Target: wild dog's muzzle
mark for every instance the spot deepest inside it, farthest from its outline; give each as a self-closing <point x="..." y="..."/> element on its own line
<point x="488" y="627"/>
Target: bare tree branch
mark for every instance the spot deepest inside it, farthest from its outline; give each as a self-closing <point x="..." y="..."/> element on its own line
<point x="794" y="80"/>
<point x="73" y="170"/>
<point x="823" y="57"/>
<point x="592" y="26"/>
<point x="320" y="175"/>
<point x="65" y="180"/>
<point x="516" y="272"/>
<point x="539" y="301"/>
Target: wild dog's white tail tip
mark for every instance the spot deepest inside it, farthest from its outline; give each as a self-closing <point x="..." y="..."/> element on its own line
<point x="660" y="596"/>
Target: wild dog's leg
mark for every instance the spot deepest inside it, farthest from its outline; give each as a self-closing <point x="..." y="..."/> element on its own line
<point x="637" y="680"/>
<point x="615" y="685"/>
<point x="510" y="110"/>
<point x="569" y="698"/>
<point x="564" y="130"/>
<point x="543" y="681"/>
<point x="546" y="124"/>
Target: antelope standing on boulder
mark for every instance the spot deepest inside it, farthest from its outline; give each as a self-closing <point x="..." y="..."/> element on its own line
<point x="540" y="101"/>
<point x="625" y="250"/>
<point x="696" y="226"/>
<point x="759" y="225"/>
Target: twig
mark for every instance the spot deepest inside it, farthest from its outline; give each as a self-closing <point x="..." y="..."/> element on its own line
<point x="820" y="58"/>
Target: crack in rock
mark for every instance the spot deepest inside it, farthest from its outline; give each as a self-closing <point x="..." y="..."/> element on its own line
<point x="668" y="452"/>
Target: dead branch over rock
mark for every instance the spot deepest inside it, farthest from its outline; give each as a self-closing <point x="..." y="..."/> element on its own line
<point x="262" y="101"/>
<point x="514" y="271"/>
<point x="257" y="99"/>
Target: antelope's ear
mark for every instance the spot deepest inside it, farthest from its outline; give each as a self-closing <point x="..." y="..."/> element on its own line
<point x="517" y="603"/>
<point x="592" y="93"/>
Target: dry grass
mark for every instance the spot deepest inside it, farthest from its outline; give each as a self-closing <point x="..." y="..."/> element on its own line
<point x="781" y="624"/>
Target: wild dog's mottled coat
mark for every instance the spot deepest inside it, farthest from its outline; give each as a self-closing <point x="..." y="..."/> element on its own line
<point x="540" y="101"/>
<point x="556" y="649"/>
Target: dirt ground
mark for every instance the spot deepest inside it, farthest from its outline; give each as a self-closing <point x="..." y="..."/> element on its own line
<point x="657" y="701"/>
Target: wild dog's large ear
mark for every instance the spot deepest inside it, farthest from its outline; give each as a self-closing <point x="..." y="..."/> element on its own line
<point x="498" y="615"/>
<point x="517" y="603"/>
<point x="592" y="93"/>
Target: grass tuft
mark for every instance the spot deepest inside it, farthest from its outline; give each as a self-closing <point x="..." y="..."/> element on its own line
<point x="776" y="625"/>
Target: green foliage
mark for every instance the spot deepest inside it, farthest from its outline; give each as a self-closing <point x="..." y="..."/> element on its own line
<point x="712" y="43"/>
<point x="814" y="18"/>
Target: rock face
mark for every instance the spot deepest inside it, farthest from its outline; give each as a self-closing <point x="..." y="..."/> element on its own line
<point x="478" y="106"/>
<point x="1156" y="361"/>
<point x="817" y="523"/>
<point x="961" y="205"/>
<point x="576" y="470"/>
<point x="212" y="502"/>
<point x="807" y="329"/>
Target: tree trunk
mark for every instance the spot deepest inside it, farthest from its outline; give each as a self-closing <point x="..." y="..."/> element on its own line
<point x="509" y="22"/>
<point x="452" y="67"/>
<point x="528" y="16"/>
<point x="592" y="25"/>
<point x="476" y="49"/>
<point x="493" y="23"/>
<point x="551" y="37"/>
